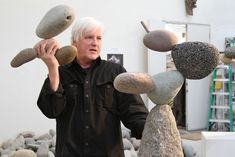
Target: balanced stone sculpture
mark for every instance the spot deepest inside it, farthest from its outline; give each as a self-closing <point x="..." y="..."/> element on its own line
<point x="55" y="21"/>
<point x="161" y="137"/>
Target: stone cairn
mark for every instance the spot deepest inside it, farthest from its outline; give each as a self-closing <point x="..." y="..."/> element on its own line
<point x="193" y="60"/>
<point x="28" y="144"/>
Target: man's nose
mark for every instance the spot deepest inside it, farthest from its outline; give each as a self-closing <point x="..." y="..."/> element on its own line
<point x="94" y="41"/>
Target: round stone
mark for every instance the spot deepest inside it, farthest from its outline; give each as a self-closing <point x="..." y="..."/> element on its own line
<point x="195" y="60"/>
<point x="160" y="40"/>
<point x="230" y="52"/>
<point x="66" y="54"/>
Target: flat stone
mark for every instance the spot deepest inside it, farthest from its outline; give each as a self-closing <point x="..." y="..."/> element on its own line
<point x="195" y="60"/>
<point x="160" y="40"/>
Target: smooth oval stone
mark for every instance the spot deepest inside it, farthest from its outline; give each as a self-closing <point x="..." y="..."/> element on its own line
<point x="55" y="21"/>
<point x="160" y="40"/>
<point x="24" y="56"/>
<point x="225" y="59"/>
<point x="134" y="83"/>
<point x="66" y="54"/>
<point x="24" y="153"/>
<point x="195" y="60"/>
<point x="230" y="52"/>
<point x="167" y="85"/>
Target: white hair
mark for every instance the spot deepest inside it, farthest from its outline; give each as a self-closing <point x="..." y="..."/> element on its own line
<point x="83" y="25"/>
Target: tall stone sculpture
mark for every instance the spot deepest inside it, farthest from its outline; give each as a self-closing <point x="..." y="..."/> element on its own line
<point x="193" y="60"/>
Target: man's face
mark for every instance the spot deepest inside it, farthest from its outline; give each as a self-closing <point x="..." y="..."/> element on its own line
<point x="89" y="46"/>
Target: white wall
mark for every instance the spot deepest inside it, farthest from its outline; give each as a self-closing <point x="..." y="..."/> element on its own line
<point x="21" y="86"/>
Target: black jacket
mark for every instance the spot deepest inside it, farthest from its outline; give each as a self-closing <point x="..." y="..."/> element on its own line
<point x="88" y="110"/>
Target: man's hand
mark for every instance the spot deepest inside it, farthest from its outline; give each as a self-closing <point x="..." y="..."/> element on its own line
<point x="46" y="50"/>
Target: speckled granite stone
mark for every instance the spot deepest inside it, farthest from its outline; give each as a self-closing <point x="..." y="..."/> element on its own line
<point x="195" y="60"/>
<point x="161" y="137"/>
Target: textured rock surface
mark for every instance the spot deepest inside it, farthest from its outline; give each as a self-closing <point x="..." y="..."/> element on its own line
<point x="195" y="60"/>
<point x="160" y="40"/>
<point x="167" y="85"/>
<point x="161" y="137"/>
<point x="230" y="52"/>
<point x="55" y="21"/>
<point x="135" y="83"/>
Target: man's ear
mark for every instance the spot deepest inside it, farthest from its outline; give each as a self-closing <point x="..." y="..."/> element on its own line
<point x="74" y="42"/>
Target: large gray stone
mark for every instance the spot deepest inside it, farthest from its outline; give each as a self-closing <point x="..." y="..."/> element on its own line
<point x="43" y="150"/>
<point x="195" y="60"/>
<point x="55" y="21"/>
<point x="230" y="52"/>
<point x="166" y="86"/>
<point x="161" y="137"/>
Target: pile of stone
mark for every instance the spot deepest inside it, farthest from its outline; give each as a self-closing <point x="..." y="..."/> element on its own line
<point x="28" y="144"/>
<point x="131" y="144"/>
